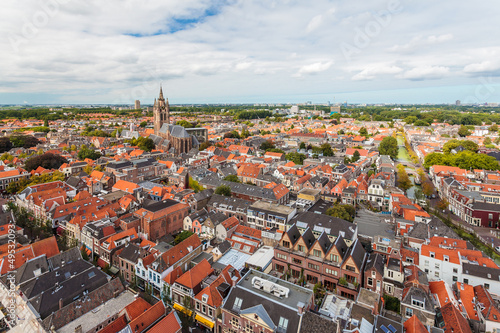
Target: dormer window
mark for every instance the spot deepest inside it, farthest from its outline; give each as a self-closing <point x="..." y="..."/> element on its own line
<point x="432" y="255"/>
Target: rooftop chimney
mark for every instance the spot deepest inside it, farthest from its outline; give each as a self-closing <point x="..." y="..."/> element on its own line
<point x="60" y="303"/>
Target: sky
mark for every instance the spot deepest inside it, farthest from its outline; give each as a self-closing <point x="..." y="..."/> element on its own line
<point x="249" y="51"/>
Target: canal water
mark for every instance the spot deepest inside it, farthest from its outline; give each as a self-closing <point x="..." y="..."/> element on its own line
<point x="404" y="158"/>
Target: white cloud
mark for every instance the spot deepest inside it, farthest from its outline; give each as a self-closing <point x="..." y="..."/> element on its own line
<point x="94" y="51"/>
<point x="372" y="72"/>
<point x="426" y="73"/>
<point x="314" y="68"/>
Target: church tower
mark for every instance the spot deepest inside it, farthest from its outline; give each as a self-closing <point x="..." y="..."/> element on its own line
<point x="161" y="112"/>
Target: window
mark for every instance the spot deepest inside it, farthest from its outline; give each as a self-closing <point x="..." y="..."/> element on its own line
<point x="409" y="312"/>
<point x="436" y="266"/>
<point x="390" y="274"/>
<point x="317" y="253"/>
<point x="432" y="254"/>
<point x="370" y="282"/>
<point x="436" y="274"/>
<point x="203" y="309"/>
<point x="446" y="258"/>
<point x="417" y="302"/>
<point x="283" y="324"/>
<point x="466" y="281"/>
<point x="313" y="266"/>
<point x="334" y="257"/>
<point x="301" y="248"/>
<point x="486" y="286"/>
<point x="237" y="303"/>
<point x="455" y="278"/>
<point x="297" y="261"/>
<point x="426" y="263"/>
<point x="234" y="321"/>
<point x="331" y="271"/>
<point x="286" y="244"/>
<point x="210" y="312"/>
<point x="248" y="327"/>
<point x="409" y="260"/>
<point x="197" y="306"/>
<point x="281" y="256"/>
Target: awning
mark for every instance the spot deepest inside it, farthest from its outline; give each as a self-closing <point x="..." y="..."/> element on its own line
<point x="113" y="270"/>
<point x="204" y="321"/>
<point x="180" y="308"/>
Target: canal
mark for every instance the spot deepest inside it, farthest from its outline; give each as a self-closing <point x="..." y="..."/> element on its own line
<point x="404" y="158"/>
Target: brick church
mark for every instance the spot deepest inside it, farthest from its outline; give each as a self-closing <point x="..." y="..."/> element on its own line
<point x="173" y="138"/>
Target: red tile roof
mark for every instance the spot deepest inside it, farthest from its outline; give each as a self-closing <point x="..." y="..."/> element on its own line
<point x="195" y="275"/>
<point x="170" y="324"/>
<point x="453" y="320"/>
<point x="414" y="325"/>
<point x="147" y="318"/>
<point x="136" y="308"/>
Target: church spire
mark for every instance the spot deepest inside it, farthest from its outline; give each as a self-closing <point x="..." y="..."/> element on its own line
<point x="161" y="93"/>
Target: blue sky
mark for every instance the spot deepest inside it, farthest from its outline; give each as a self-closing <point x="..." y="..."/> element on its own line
<point x="395" y="51"/>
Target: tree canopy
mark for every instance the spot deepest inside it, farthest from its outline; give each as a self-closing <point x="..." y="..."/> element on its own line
<point x="467" y="144"/>
<point x="345" y="212"/>
<point x="143" y="143"/>
<point x="465" y="160"/>
<point x="389" y="146"/>
<point x="232" y="178"/>
<point x="47" y="161"/>
<point x="296" y="158"/>
<point x="88" y="153"/>
<point x="224" y="190"/>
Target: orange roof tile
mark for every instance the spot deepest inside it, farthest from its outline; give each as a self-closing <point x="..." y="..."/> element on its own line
<point x="147" y="318"/>
<point x="136" y="308"/>
<point x="195" y="275"/>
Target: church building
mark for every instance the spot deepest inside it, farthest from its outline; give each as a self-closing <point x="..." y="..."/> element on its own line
<point x="173" y="138"/>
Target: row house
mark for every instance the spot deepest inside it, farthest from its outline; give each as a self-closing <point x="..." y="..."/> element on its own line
<point x="229" y="206"/>
<point x="319" y="183"/>
<point x="115" y="242"/>
<point x="72" y="168"/>
<point x="179" y="256"/>
<point x="128" y="258"/>
<point x="263" y="303"/>
<point x="483" y="214"/>
<point x="208" y="302"/>
<point x="62" y="212"/>
<point x="189" y="284"/>
<point x="95" y="232"/>
<point x="445" y="260"/>
<point x="336" y="265"/>
<point x="226" y="229"/>
<point x="264" y="215"/>
<point x="9" y="176"/>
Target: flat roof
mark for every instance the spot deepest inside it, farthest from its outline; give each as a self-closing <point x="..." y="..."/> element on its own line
<point x="262" y="257"/>
<point x="296" y="295"/>
<point x="265" y="205"/>
<point x="100" y="313"/>
<point x="309" y="191"/>
<point x="234" y="258"/>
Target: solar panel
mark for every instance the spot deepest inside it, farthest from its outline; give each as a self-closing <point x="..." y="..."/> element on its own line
<point x="384" y="329"/>
<point x="392" y="328"/>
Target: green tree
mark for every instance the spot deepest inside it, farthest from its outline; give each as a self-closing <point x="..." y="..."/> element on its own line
<point x="493" y="128"/>
<point x="326" y="149"/>
<point x="143" y="124"/>
<point x="193" y="184"/>
<point x="268" y="144"/>
<point x="296" y="158"/>
<point x="232" y="178"/>
<point x="182" y="236"/>
<point x="410" y="119"/>
<point x="345" y="212"/>
<point x="224" y="190"/>
<point x="427" y="188"/>
<point x="487" y="141"/>
<point x="204" y="145"/>
<point x="363" y="131"/>
<point x="442" y="204"/>
<point x="47" y="161"/>
<point x="46" y="122"/>
<point x="463" y="131"/>
<point x="355" y="156"/>
<point x="5" y="144"/>
<point x="88" y="153"/>
<point x="185" y="123"/>
<point x="302" y="145"/>
<point x="404" y="181"/>
<point x="389" y="146"/>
